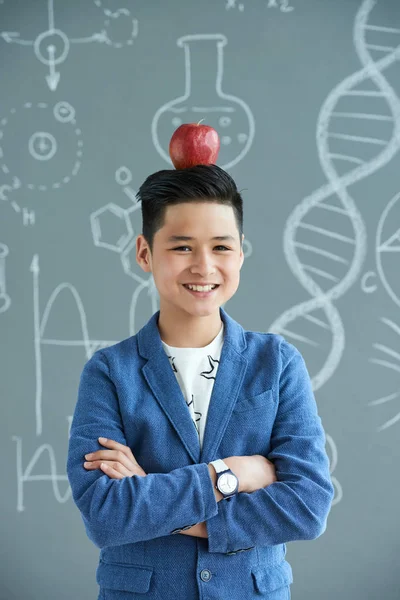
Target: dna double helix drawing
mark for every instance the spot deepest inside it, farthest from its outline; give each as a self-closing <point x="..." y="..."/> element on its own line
<point x="325" y="241"/>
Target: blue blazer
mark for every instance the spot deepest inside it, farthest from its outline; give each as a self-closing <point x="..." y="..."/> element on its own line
<point x="262" y="403"/>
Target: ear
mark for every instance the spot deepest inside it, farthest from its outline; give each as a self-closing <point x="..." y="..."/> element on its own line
<point x="143" y="254"/>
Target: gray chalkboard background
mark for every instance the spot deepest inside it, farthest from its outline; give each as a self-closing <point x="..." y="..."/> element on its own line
<point x="306" y="97"/>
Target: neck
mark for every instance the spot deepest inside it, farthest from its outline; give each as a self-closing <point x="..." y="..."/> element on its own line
<point x="183" y="330"/>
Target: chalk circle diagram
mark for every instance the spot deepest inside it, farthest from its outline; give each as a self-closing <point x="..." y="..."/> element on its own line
<point x="387" y="246"/>
<point x="389" y="359"/>
<point x="52" y="45"/>
<point x="40" y="145"/>
<point x="388" y="249"/>
<point x="325" y="240"/>
<point x="203" y="98"/>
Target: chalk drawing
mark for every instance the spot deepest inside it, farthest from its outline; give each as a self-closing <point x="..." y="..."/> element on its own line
<point x="234" y="4"/>
<point x="5" y="300"/>
<point x="203" y="98"/>
<point x="89" y="346"/>
<point x="40" y="131"/>
<point x="121" y="17"/>
<point x="116" y="228"/>
<point x="388" y="248"/>
<point x="390" y="360"/>
<point x="30" y="473"/>
<point x="283" y="5"/>
<point x="325" y="237"/>
<point x="52" y="46"/>
<point x="333" y="462"/>
<point x="27" y="476"/>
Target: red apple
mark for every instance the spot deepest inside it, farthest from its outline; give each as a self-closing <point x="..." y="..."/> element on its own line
<point x="194" y="144"/>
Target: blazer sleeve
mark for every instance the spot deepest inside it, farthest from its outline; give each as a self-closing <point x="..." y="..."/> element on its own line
<point x="296" y="506"/>
<point x="133" y="509"/>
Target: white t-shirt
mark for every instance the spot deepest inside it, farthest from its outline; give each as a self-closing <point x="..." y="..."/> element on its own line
<point x="195" y="370"/>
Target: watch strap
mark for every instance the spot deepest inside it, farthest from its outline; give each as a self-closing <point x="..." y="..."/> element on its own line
<point x="219" y="465"/>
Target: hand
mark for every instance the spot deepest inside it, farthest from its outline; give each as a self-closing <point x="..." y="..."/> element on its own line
<point x="117" y="462"/>
<point x="254" y="472"/>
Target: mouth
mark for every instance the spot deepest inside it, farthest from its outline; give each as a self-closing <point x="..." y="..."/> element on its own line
<point x="201" y="290"/>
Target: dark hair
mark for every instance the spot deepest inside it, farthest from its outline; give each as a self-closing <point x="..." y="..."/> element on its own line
<point x="201" y="183"/>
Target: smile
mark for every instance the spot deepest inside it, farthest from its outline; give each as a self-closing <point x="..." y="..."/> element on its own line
<point x="201" y="291"/>
<point x="200" y="288"/>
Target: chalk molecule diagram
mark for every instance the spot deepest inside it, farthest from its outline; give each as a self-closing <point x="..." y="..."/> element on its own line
<point x="39" y="132"/>
<point x="116" y="229"/>
<point x="51" y="47"/>
<point x="203" y="98"/>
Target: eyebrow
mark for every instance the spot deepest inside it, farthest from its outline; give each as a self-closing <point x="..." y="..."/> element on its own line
<point x="186" y="238"/>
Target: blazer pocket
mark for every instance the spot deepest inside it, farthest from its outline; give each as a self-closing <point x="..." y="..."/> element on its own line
<point x="268" y="579"/>
<point x="125" y="578"/>
<point x="262" y="400"/>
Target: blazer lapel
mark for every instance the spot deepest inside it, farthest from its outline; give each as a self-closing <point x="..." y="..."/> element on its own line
<point x="227" y="384"/>
<point x="162" y="381"/>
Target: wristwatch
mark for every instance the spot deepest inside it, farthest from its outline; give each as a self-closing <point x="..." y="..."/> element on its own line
<point x="227" y="482"/>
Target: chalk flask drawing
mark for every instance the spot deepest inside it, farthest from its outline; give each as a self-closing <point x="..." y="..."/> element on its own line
<point x="203" y="98"/>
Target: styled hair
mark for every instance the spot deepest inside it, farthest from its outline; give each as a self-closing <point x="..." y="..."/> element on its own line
<point x="202" y="183"/>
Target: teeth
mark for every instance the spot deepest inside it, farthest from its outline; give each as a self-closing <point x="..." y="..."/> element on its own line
<point x="201" y="288"/>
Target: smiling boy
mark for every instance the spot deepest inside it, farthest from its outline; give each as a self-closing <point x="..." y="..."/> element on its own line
<point x="212" y="431"/>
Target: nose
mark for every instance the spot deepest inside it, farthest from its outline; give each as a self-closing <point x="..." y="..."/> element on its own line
<point x="202" y="264"/>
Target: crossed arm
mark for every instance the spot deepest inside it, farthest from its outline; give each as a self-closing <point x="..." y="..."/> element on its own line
<point x="117" y="462"/>
<point x="295" y="507"/>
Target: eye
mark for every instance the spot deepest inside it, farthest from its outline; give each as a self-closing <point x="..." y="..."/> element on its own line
<point x="184" y="248"/>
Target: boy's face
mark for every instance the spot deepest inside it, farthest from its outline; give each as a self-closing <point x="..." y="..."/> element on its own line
<point x="199" y="259"/>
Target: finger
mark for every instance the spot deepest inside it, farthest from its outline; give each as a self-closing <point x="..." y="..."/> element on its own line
<point x="110" y="471"/>
<point x="138" y="471"/>
<point x="116" y="466"/>
<point x="109" y="455"/>
<point x="116" y="446"/>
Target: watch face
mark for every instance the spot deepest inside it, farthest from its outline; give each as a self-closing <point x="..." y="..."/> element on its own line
<point x="227" y="483"/>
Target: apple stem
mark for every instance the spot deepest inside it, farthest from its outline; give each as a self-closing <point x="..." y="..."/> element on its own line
<point x="200" y="121"/>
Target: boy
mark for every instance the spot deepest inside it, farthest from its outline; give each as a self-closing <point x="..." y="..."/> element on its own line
<point x="212" y="431"/>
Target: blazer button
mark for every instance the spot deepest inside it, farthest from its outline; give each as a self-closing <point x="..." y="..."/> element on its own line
<point x="205" y="575"/>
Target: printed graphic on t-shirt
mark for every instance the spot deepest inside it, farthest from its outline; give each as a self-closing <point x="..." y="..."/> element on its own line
<point x="196" y="412"/>
<point x="172" y="358"/>
<point x="213" y="368"/>
<point x="198" y="381"/>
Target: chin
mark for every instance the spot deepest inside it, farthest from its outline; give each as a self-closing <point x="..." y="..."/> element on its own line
<point x="202" y="311"/>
